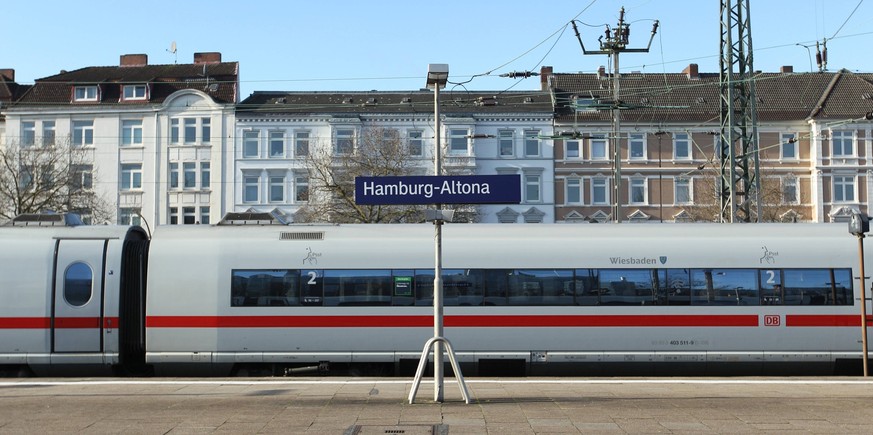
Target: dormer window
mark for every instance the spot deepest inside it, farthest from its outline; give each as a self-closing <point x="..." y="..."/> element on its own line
<point x="85" y="93"/>
<point x="134" y="92"/>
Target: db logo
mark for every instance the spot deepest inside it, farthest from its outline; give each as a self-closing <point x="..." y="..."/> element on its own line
<point x="772" y="320"/>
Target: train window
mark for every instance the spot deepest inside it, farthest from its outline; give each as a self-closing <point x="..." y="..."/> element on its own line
<point x="627" y="287"/>
<point x="78" y="284"/>
<point x="541" y="287"/>
<point x="461" y="287"/>
<point x="358" y="287"/>
<point x="817" y="287"/>
<point x="586" y="287"/>
<point x="265" y="288"/>
<point x="724" y="287"/>
<point x="771" y="287"/>
<point x="495" y="283"/>
<point x="678" y="287"/>
<point x="404" y="287"/>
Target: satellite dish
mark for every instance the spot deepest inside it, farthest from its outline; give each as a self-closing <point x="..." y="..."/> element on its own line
<point x="173" y="47"/>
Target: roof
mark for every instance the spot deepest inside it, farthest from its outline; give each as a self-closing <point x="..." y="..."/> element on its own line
<point x="681" y="98"/>
<point x="395" y="102"/>
<point x="163" y="81"/>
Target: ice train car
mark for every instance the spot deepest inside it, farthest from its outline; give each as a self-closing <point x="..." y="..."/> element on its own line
<point x="519" y="299"/>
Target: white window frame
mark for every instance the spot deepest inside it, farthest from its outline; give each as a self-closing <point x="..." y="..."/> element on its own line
<point x="843" y="184"/>
<point x="251" y="148"/>
<point x="129" y="216"/>
<point x="86" y="93"/>
<point x="638" y="186"/>
<point x="251" y="188"/>
<point x="506" y="143"/>
<point x="846" y="140"/>
<point x="788" y="143"/>
<point x="533" y="187"/>
<point x="48" y="133"/>
<point x="174" y="130"/>
<point x="131" y="132"/>
<point x="174" y="215"/>
<point x="301" y="143"/>
<point x="415" y="142"/>
<point x="682" y="141"/>
<point x="173" y="175"/>
<point x="636" y="141"/>
<point x="600" y="185"/>
<point x="276" y="138"/>
<point x="134" y="92"/>
<point x="131" y="176"/>
<point x="573" y="191"/>
<point x="276" y="185"/>
<point x="189" y="215"/>
<point x="83" y="133"/>
<point x="344" y="141"/>
<point x="28" y="133"/>
<point x="189" y="131"/>
<point x="205" y="130"/>
<point x="301" y="189"/>
<point x="459" y="141"/>
<point x="790" y="190"/>
<point x="599" y="147"/>
<point x="189" y="175"/>
<point x="680" y="184"/>
<point x="205" y="175"/>
<point x="83" y="177"/>
<point x="532" y="143"/>
<point x="204" y="215"/>
<point x="577" y="145"/>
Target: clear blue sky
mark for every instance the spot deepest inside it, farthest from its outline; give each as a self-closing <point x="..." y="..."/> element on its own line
<point x="386" y="45"/>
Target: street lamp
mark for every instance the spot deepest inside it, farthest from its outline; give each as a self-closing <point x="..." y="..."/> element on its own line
<point x="437" y="76"/>
<point x="858" y="226"/>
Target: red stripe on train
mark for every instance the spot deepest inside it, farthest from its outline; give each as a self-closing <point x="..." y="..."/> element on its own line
<point x="500" y="321"/>
<point x="25" y="322"/>
<point x="822" y="320"/>
<point x="60" y="322"/>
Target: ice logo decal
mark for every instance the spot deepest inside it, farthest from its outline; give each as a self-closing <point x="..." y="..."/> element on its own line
<point x="311" y="257"/>
<point x="663" y="259"/>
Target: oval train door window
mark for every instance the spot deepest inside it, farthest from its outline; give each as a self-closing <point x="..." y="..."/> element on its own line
<point x="78" y="280"/>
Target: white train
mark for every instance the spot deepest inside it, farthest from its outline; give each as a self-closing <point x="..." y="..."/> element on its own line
<point x="520" y="299"/>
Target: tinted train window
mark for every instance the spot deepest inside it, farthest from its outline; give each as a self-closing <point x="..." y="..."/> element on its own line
<point x="254" y="288"/>
<point x="78" y="283"/>
<point x="357" y="287"/>
<point x="817" y="287"/>
<point x="627" y="287"/>
<point x="724" y="287"/>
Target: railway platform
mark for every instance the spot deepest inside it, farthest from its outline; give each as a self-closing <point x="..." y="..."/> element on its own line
<point x="380" y="405"/>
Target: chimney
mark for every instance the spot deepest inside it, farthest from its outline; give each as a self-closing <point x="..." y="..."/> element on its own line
<point x="786" y="69"/>
<point x="545" y="74"/>
<point x="208" y="57"/>
<point x="134" y="60"/>
<point x="691" y="72"/>
<point x="8" y="74"/>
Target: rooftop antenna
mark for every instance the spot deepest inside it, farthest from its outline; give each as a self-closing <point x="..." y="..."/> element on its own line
<point x="173" y="50"/>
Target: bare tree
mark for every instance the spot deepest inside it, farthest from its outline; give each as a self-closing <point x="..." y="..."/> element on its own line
<point x="332" y="171"/>
<point x="49" y="176"/>
<point x="774" y="205"/>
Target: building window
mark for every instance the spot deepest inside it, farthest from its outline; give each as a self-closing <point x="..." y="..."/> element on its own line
<point x="681" y="146"/>
<point x="458" y="142"/>
<point x="531" y="143"/>
<point x="277" y="144"/>
<point x="637" y="146"/>
<point x="571" y="149"/>
<point x="415" y="143"/>
<point x="205" y="130"/>
<point x="506" y="143"/>
<point x="790" y="192"/>
<point x="174" y="215"/>
<point x="301" y="144"/>
<point x="83" y="177"/>
<point x="129" y="216"/>
<point x="682" y="190"/>
<point x="599" y="192"/>
<point x="134" y="92"/>
<point x="638" y="189"/>
<point x="301" y="189"/>
<point x="844" y="188"/>
<point x="85" y="93"/>
<point x="204" y="215"/>
<point x="131" y="176"/>
<point x="190" y="130"/>
<point x="789" y="146"/>
<point x="174" y="175"/>
<point x="48" y="133"/>
<point x="574" y="191"/>
<point x="250" y="188"/>
<point x="189" y="215"/>
<point x="189" y="175"/>
<point x="842" y="143"/>
<point x="204" y="176"/>
<point x="598" y="148"/>
<point x="532" y="188"/>
<point x="345" y="141"/>
<point x="131" y="132"/>
<point x="174" y="130"/>
<point x="277" y="188"/>
<point x="28" y="134"/>
<point x="251" y="143"/>
<point x="83" y="133"/>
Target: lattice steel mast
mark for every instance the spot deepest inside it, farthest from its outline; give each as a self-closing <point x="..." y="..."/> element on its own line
<point x="739" y="184"/>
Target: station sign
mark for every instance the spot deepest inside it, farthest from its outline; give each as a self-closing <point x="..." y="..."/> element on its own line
<point x="438" y="189"/>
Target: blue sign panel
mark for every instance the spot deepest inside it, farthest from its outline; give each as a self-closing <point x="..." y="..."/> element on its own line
<point x="442" y="189"/>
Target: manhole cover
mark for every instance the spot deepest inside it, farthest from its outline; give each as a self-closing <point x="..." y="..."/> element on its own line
<point x="434" y="429"/>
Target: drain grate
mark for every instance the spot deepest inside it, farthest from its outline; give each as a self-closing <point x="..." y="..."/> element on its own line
<point x="410" y="429"/>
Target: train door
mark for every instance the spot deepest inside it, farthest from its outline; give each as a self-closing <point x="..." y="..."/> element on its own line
<point x="77" y="308"/>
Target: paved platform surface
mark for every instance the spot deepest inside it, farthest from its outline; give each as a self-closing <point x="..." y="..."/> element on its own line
<point x="380" y="406"/>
